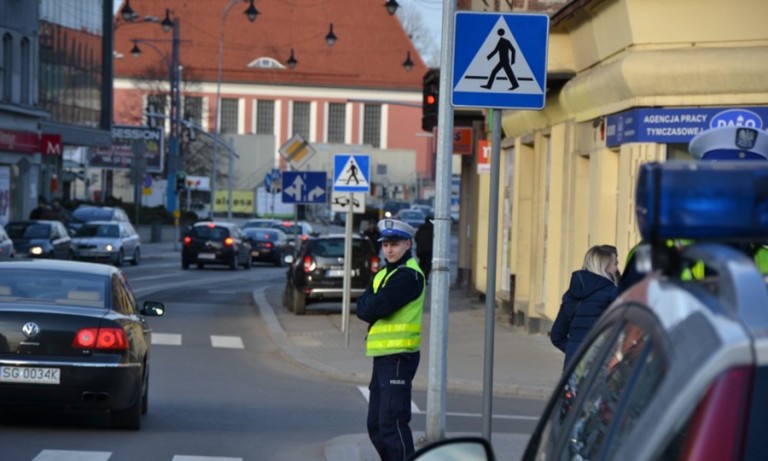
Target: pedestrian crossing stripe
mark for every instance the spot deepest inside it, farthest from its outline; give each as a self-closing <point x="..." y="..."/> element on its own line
<point x="351" y="173"/>
<point x="500" y="60"/>
<point x="481" y="67"/>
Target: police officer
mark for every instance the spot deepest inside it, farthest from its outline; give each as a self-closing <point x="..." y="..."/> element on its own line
<point x="392" y="306"/>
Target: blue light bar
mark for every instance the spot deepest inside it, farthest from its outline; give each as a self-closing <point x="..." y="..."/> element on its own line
<point x="725" y="201"/>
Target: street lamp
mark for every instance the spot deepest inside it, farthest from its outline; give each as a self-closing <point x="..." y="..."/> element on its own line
<point x="391" y="6"/>
<point x="251" y="12"/>
<point x="408" y="64"/>
<point x="331" y="38"/>
<point x="291" y="61"/>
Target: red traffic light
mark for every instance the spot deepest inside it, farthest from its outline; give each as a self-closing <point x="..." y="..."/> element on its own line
<point x="431" y="99"/>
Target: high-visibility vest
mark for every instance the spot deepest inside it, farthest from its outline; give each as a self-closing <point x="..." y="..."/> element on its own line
<point x="401" y="330"/>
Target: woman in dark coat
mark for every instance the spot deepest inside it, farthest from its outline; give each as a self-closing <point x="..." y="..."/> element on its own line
<point x="591" y="291"/>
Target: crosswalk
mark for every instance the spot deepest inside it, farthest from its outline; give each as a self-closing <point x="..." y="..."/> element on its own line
<point x="217" y="341"/>
<point x="75" y="455"/>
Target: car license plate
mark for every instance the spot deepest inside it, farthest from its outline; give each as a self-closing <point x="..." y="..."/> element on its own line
<point x="254" y="253"/>
<point x="335" y="273"/>
<point x="206" y="256"/>
<point x="30" y="375"/>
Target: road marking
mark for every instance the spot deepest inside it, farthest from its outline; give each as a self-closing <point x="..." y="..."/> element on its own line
<point x="203" y="458"/>
<point x="69" y="455"/>
<point x="367" y="394"/>
<point x="229" y="342"/>
<point x="166" y="339"/>
<point x="151" y="277"/>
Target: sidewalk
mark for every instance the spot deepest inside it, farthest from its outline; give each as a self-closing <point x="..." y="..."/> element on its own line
<point x="526" y="365"/>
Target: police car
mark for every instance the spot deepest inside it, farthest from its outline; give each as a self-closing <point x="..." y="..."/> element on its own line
<point x="675" y="369"/>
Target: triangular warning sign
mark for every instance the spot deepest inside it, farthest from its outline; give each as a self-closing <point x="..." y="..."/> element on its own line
<point x="351" y="175"/>
<point x="494" y="58"/>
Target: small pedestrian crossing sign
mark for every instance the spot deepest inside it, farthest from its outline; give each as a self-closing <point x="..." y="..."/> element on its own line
<point x="351" y="173"/>
<point x="500" y="60"/>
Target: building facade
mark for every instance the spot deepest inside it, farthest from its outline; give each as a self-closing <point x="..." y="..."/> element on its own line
<point x="54" y="94"/>
<point x="633" y="82"/>
<point x="280" y="77"/>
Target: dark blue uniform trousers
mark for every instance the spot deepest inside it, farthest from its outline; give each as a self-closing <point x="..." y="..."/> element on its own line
<point x="389" y="405"/>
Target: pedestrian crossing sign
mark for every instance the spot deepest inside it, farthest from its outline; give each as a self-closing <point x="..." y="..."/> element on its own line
<point x="351" y="173"/>
<point x="500" y="60"/>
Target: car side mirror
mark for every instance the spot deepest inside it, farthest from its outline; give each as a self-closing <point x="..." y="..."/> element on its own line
<point x="153" y="309"/>
<point x="463" y="448"/>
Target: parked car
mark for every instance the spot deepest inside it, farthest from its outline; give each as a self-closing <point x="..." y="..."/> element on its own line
<point x="40" y="239"/>
<point x="74" y="339"/>
<point x="412" y="216"/>
<point x="426" y="209"/>
<point x="298" y="230"/>
<point x="317" y="272"/>
<point x="260" y="222"/>
<point x="267" y="244"/>
<point x="6" y="245"/>
<point x="675" y="368"/>
<point x="216" y="242"/>
<point x="88" y="213"/>
<point x="107" y="241"/>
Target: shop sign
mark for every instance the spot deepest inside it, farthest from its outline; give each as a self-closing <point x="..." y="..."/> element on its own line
<point x="50" y="144"/>
<point x="120" y="155"/>
<point x="678" y="125"/>
<point x="19" y="141"/>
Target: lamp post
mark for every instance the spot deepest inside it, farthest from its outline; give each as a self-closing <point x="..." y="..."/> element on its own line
<point x="251" y="13"/>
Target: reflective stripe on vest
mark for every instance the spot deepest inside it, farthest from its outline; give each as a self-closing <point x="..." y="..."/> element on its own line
<point x="400" y="331"/>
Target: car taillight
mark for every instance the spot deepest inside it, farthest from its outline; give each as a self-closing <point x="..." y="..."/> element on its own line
<point x="228" y="242"/>
<point x="187" y="241"/>
<point x="719" y="422"/>
<point x="100" y="338"/>
<point x="374" y="264"/>
<point x="309" y="264"/>
<point x="268" y="244"/>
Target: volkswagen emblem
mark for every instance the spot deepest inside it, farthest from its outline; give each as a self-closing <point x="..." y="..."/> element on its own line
<point x="30" y="330"/>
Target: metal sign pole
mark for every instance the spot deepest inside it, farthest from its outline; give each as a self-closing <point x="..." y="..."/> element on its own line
<point x="347" y="270"/>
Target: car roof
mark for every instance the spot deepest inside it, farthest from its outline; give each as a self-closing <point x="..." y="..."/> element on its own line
<point x="105" y="270"/>
<point x="215" y="223"/>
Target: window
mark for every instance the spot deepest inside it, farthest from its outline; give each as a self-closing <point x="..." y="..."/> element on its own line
<point x="26" y="65"/>
<point x="229" y="112"/>
<point x="7" y="67"/>
<point x="372" y="125"/>
<point x="336" y="122"/>
<point x="156" y="105"/>
<point x="265" y="116"/>
<point x="301" y="119"/>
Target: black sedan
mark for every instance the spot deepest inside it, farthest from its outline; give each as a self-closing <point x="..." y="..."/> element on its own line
<point x="317" y="273"/>
<point x="40" y="239"/>
<point x="216" y="242"/>
<point x="267" y="245"/>
<point x="72" y="337"/>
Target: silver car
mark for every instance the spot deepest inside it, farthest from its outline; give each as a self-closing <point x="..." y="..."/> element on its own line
<point x="6" y="245"/>
<point x="107" y="241"/>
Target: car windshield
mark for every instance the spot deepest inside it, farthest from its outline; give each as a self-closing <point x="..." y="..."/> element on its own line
<point x="411" y="214"/>
<point x="216" y="234"/>
<point x="258" y="223"/>
<point x="99" y="230"/>
<point x="28" y="230"/>
<point x="92" y="214"/>
<point x="52" y="287"/>
<point x="334" y="248"/>
<point x="290" y="229"/>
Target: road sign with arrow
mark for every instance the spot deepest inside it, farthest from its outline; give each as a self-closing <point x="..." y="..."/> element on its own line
<point x="304" y="187"/>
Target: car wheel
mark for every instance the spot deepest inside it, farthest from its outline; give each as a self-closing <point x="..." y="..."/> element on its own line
<point x="233" y="262"/>
<point x="136" y="257"/>
<point x="184" y="265"/>
<point x="299" y="303"/>
<point x="287" y="295"/>
<point x="119" y="258"/>
<point x="279" y="260"/>
<point x="200" y="265"/>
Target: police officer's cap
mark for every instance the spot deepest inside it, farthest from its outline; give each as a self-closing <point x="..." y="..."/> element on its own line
<point x="394" y="229"/>
<point x="730" y="143"/>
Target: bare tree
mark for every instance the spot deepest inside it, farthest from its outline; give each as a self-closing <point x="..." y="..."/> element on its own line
<point x="427" y="44"/>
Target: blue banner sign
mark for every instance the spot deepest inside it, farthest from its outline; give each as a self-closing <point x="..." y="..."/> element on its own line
<point x="677" y="125"/>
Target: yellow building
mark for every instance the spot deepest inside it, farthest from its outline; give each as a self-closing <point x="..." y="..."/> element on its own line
<point x="629" y="81"/>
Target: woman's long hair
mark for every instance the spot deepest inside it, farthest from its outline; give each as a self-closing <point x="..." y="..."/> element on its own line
<point x="597" y="260"/>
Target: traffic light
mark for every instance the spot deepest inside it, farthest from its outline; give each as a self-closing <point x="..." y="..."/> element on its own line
<point x="181" y="182"/>
<point x="431" y="83"/>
